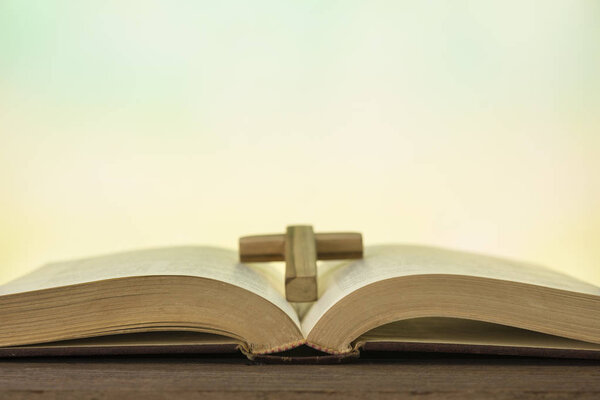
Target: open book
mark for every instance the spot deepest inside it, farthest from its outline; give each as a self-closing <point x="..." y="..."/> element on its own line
<point x="201" y="299"/>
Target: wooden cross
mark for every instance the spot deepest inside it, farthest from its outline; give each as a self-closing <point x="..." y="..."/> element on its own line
<point x="300" y="248"/>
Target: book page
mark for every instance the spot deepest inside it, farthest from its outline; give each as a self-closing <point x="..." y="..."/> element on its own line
<point x="392" y="261"/>
<point x="222" y="265"/>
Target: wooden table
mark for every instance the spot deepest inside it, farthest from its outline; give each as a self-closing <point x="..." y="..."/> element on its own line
<point x="420" y="375"/>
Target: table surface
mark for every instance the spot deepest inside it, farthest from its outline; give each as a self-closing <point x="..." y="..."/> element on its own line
<point x="424" y="376"/>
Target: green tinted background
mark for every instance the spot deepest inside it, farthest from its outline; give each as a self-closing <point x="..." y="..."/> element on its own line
<point x="473" y="125"/>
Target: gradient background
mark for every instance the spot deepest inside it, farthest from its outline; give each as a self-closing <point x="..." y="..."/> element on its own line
<point x="473" y="125"/>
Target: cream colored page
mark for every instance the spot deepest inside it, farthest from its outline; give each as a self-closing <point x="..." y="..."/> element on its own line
<point x="391" y="261"/>
<point x="264" y="280"/>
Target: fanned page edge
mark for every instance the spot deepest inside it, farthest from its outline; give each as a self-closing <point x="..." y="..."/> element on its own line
<point x="386" y="262"/>
<point x="210" y="263"/>
<point x="195" y="261"/>
<point x="215" y="263"/>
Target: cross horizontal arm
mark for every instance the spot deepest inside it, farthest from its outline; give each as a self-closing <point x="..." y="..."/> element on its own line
<point x="330" y="246"/>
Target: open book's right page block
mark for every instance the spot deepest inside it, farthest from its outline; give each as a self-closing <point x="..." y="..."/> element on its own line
<point x="338" y="280"/>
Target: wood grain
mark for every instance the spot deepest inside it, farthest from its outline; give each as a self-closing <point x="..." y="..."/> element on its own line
<point x="330" y="246"/>
<point x="300" y="264"/>
<point x="410" y="376"/>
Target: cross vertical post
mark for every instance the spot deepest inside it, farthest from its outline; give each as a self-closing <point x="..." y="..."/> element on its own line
<point x="300" y="264"/>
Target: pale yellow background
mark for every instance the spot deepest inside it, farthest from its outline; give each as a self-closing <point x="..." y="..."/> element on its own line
<point x="473" y="125"/>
